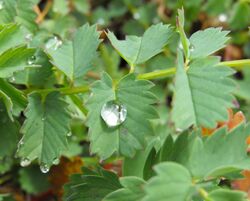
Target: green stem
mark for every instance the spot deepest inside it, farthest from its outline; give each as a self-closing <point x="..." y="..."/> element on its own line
<point x="171" y="71"/>
<point x="157" y="74"/>
<point x="64" y="90"/>
<point x="204" y="194"/>
<point x="236" y="63"/>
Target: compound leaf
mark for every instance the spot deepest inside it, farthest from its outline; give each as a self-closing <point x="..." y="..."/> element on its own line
<point x="75" y="58"/>
<point x="45" y="129"/>
<point x="136" y="50"/>
<point x="202" y="93"/>
<point x="130" y="135"/>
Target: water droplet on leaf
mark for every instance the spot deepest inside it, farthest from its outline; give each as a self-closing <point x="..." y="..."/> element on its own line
<point x="53" y="43"/>
<point x="56" y="161"/>
<point x="31" y="60"/>
<point x="44" y="168"/>
<point x="222" y="17"/>
<point x="25" y="162"/>
<point x="101" y="21"/>
<point x="12" y="79"/>
<point x="113" y="113"/>
<point x="179" y="130"/>
<point x="136" y="16"/>
<point x="180" y="45"/>
<point x="28" y="37"/>
<point x="69" y="134"/>
<point x="43" y="118"/>
<point x="191" y="48"/>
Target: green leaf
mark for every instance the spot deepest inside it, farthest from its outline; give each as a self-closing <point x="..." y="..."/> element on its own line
<point x="135" y="166"/>
<point x="208" y="41"/>
<point x="136" y="50"/>
<point x="202" y="93"/>
<point x="75" y="58"/>
<point x="15" y="59"/>
<point x="20" y="11"/>
<point x="172" y="183"/>
<point x="26" y="15"/>
<point x="9" y="132"/>
<point x="91" y="186"/>
<point x="11" y="35"/>
<point x="131" y="191"/>
<point x="240" y="18"/>
<point x="242" y="90"/>
<point x="45" y="129"/>
<point x="8" y="12"/>
<point x="217" y="155"/>
<point x="29" y="76"/>
<point x="32" y="180"/>
<point x="227" y="195"/>
<point x="13" y="99"/>
<point x="130" y="135"/>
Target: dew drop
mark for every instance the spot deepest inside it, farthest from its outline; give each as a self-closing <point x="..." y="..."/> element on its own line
<point x="1" y="4"/>
<point x="222" y="17"/>
<point x="113" y="113"/>
<point x="25" y="162"/>
<point x="43" y="118"/>
<point x="136" y="16"/>
<point x="56" y="161"/>
<point x="180" y="45"/>
<point x="191" y="48"/>
<point x="101" y="21"/>
<point x="44" y="168"/>
<point x="28" y="37"/>
<point x="69" y="134"/>
<point x="20" y="143"/>
<point x="31" y="60"/>
<point x="53" y="43"/>
<point x="12" y="79"/>
<point x="179" y="130"/>
<point x="156" y="20"/>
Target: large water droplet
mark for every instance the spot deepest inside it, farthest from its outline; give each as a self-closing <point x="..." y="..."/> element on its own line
<point x="53" y="43"/>
<point x="44" y="168"/>
<point x="56" y="161"/>
<point x="113" y="113"/>
<point x="25" y="162"/>
<point x="1" y="4"/>
<point x="31" y="60"/>
<point x="222" y="17"/>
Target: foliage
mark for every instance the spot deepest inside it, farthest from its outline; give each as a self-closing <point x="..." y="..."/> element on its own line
<point x="124" y="100"/>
